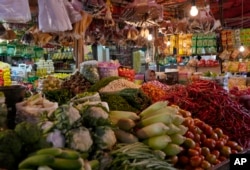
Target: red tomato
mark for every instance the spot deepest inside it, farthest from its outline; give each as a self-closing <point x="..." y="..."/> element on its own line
<point x="211" y="158"/>
<point x="205" y="165"/>
<point x="203" y="137"/>
<point x="219" y="132"/>
<point x="190" y="135"/>
<point x="216" y="153"/>
<point x="183" y="160"/>
<point x="195" y="161"/>
<point x="193" y="152"/>
<point x="205" y="151"/>
<point x="219" y="144"/>
<point x="210" y="143"/>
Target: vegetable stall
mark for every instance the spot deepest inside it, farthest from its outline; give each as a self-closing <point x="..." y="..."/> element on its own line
<point x="117" y="124"/>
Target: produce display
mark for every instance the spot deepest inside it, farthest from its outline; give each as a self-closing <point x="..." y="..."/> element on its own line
<point x="155" y="90"/>
<point x="116" y="124"/>
<point x="204" y="146"/>
<point x="51" y="83"/>
<point x="77" y="83"/>
<point x="118" y="85"/>
<point x="205" y="99"/>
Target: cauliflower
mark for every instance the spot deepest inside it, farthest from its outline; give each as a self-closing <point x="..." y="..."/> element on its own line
<point x="104" y="137"/>
<point x="95" y="116"/>
<point x="65" y="117"/>
<point x="79" y="139"/>
<point x="56" y="138"/>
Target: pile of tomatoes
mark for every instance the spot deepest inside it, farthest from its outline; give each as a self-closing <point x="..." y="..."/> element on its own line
<point x="127" y="73"/>
<point x="204" y="146"/>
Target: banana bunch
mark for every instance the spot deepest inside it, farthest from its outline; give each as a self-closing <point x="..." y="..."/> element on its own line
<point x="125" y="121"/>
<point x="54" y="159"/>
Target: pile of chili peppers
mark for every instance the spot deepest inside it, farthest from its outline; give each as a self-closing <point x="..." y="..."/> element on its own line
<point x="212" y="104"/>
<point x="156" y="90"/>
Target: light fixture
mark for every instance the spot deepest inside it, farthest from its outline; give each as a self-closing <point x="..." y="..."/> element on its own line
<point x="168" y="43"/>
<point x="242" y="48"/>
<point x="150" y="37"/>
<point x="193" y="11"/>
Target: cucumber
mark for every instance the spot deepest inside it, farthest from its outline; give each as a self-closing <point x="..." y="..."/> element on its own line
<point x="69" y="154"/>
<point x="65" y="164"/>
<point x="35" y="161"/>
<point x="49" y="151"/>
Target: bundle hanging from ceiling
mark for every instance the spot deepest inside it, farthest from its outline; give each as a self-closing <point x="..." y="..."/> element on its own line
<point x="142" y="13"/>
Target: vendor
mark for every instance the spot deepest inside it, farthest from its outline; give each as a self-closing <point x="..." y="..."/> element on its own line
<point x="149" y="75"/>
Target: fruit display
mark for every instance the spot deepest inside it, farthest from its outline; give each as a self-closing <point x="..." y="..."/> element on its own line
<point x="76" y="83"/>
<point x="51" y="83"/>
<point x="61" y="75"/>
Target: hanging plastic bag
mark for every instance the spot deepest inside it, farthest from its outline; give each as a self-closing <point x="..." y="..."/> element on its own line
<point x="53" y="16"/>
<point x="15" y="11"/>
<point x="74" y="15"/>
<point x="77" y="5"/>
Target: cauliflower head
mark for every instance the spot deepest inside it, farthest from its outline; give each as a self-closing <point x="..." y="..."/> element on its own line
<point x="79" y="139"/>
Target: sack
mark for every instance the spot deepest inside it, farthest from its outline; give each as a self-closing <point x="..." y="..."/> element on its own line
<point x="53" y="16"/>
<point x="32" y="113"/>
<point x="15" y="11"/>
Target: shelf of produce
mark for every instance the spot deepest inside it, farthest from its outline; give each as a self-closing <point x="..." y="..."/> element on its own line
<point x="215" y="69"/>
<point x="63" y="71"/>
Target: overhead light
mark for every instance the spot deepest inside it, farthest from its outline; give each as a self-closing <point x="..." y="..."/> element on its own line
<point x="193" y="11"/>
<point x="150" y="37"/>
<point x="242" y="48"/>
<point x="168" y="43"/>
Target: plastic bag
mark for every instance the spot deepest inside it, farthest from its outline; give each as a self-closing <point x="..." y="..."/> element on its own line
<point x="53" y="16"/>
<point x="15" y="11"/>
<point x="89" y="69"/>
<point x="74" y="15"/>
<point x="77" y="5"/>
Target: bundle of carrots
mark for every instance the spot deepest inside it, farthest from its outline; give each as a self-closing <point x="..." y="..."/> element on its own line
<point x="213" y="105"/>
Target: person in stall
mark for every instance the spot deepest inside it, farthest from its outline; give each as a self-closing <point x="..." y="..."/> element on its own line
<point x="149" y="75"/>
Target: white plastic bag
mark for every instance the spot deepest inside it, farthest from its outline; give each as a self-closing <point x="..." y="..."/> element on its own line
<point x="53" y="16"/>
<point x="15" y="11"/>
<point x="74" y="15"/>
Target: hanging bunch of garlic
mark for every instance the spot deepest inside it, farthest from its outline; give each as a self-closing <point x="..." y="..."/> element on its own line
<point x="133" y="33"/>
<point x="144" y="32"/>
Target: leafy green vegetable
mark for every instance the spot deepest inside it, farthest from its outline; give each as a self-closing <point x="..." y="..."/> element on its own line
<point x="61" y="96"/>
<point x="116" y="102"/>
<point x="102" y="83"/>
<point x="10" y="142"/>
<point x="28" y="132"/>
<point x="137" y="156"/>
<point x="7" y="161"/>
<point x="136" y="98"/>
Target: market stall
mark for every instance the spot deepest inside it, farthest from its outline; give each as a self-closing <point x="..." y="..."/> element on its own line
<point x="73" y="94"/>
